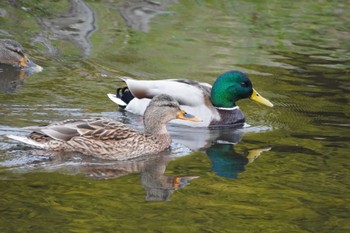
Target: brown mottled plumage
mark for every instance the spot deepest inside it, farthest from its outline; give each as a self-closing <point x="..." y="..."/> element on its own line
<point x="108" y="139"/>
<point x="11" y="53"/>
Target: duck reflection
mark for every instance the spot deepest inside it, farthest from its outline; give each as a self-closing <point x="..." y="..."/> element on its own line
<point x="158" y="186"/>
<point x="11" y="78"/>
<point x="227" y="162"/>
<point x="219" y="145"/>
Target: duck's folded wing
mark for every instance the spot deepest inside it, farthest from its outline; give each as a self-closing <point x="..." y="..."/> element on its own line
<point x="99" y="129"/>
<point x="61" y="133"/>
<point x="186" y="92"/>
<point x="105" y="130"/>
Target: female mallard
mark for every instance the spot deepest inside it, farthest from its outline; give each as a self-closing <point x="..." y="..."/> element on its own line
<point x="107" y="139"/>
<point x="11" y="53"/>
<point x="215" y="105"/>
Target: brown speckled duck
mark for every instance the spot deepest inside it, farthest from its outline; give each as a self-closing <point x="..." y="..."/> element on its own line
<point x="108" y="139"/>
<point x="11" y="53"/>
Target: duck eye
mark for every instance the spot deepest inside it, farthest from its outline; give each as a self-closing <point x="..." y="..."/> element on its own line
<point x="244" y="84"/>
<point x="18" y="51"/>
<point x="169" y="105"/>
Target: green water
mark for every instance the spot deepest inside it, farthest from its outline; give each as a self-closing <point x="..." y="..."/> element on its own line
<point x="295" y="52"/>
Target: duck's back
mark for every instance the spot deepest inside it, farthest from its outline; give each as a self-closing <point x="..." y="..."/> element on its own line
<point x="102" y="138"/>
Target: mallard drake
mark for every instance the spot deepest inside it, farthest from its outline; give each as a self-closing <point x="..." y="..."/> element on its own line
<point x="215" y="105"/>
<point x="11" y="53"/>
<point x="108" y="139"/>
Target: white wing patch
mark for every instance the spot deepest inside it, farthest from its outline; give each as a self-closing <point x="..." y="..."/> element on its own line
<point x="182" y="92"/>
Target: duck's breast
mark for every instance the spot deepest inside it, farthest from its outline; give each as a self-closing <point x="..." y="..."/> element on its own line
<point x="231" y="118"/>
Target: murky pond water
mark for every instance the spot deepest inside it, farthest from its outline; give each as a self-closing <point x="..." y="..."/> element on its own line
<point x="287" y="172"/>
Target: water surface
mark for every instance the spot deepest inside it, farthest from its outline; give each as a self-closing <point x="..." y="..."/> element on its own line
<point x="287" y="172"/>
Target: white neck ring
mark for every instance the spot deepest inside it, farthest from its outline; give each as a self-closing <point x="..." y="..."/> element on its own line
<point x="228" y="109"/>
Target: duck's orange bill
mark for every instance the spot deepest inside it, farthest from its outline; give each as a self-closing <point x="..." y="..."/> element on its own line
<point x="181" y="114"/>
<point x="24" y="62"/>
<point x="182" y="181"/>
<point x="258" y="98"/>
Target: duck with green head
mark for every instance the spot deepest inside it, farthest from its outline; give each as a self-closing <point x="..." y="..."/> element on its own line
<point x="215" y="105"/>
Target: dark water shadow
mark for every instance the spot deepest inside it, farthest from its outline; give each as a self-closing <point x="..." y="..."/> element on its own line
<point x="12" y="78"/>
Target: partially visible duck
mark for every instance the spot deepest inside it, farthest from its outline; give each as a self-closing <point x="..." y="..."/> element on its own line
<point x="11" y="53"/>
<point x="108" y="139"/>
<point x="215" y="105"/>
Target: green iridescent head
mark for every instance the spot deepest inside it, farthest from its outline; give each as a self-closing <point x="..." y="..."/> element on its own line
<point x="232" y="86"/>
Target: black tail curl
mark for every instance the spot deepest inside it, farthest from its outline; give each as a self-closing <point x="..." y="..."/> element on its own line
<point x="124" y="94"/>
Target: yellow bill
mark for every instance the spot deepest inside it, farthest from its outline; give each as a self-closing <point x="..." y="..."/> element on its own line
<point x="258" y="98"/>
<point x="182" y="115"/>
<point x="24" y="62"/>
